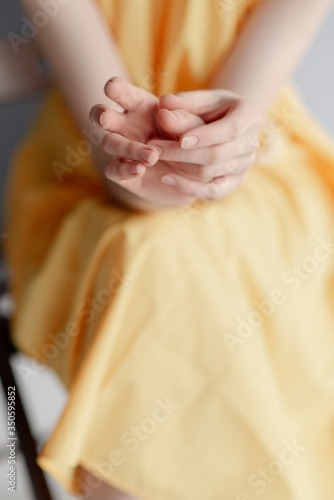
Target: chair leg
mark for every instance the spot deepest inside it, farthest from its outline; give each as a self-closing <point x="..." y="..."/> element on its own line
<point x="27" y="442"/>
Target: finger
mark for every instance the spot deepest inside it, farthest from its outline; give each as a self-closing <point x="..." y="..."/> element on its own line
<point x="119" y="171"/>
<point x="107" y="118"/>
<point x="95" y="114"/>
<point x="206" y="173"/>
<point x="178" y="121"/>
<point x="231" y="127"/>
<point x="218" y="188"/>
<point x="124" y="93"/>
<point x="199" y="102"/>
<point x="113" y="121"/>
<point x="212" y="155"/>
<point x="117" y="145"/>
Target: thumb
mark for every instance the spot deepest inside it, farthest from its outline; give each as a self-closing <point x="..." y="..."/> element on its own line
<point x="208" y="104"/>
<point x="177" y="122"/>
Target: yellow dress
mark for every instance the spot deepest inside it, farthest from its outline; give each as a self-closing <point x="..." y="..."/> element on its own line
<point x="197" y="344"/>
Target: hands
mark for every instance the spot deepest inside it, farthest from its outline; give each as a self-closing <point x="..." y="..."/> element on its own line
<point x="196" y="144"/>
<point x="216" y="154"/>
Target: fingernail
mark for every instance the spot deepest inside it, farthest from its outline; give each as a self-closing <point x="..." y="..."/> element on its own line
<point x="158" y="148"/>
<point x="146" y="155"/>
<point x="101" y="118"/>
<point x="168" y="180"/>
<point x="173" y="115"/>
<point x="136" y="169"/>
<point x="189" y="142"/>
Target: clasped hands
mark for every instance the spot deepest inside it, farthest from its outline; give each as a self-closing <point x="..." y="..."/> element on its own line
<point x="179" y="148"/>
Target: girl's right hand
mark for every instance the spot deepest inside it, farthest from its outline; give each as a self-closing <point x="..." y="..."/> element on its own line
<point x="134" y="164"/>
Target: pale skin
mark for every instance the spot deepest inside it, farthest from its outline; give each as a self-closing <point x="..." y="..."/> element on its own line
<point x="145" y="123"/>
<point x="224" y="120"/>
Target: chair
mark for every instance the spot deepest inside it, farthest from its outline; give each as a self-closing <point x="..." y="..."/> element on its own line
<point x="22" y="75"/>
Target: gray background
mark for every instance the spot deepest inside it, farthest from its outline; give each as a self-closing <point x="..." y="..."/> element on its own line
<point x="43" y="394"/>
<point x="14" y="118"/>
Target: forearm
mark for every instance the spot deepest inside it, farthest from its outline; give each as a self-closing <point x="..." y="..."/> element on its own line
<point x="272" y="43"/>
<point x="83" y="56"/>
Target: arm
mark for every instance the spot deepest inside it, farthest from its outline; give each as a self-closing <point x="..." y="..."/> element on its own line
<point x="271" y="44"/>
<point x="84" y="56"/>
<point x="78" y="44"/>
<point x="273" y="39"/>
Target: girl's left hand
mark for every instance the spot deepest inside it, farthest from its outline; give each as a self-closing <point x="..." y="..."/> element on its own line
<point x="212" y="159"/>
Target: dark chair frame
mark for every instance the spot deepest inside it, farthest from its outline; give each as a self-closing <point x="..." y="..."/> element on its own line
<point x="22" y="75"/>
<point x="23" y="432"/>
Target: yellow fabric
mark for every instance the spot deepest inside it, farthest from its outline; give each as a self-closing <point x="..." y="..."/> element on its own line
<point x="197" y="344"/>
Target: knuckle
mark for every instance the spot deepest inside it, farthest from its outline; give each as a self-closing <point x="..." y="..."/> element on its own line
<point x="187" y="187"/>
<point x="210" y="172"/>
<point x="232" y="167"/>
<point x="137" y="94"/>
<point x="208" y="135"/>
<point x="211" y="192"/>
<point x="234" y="128"/>
<point x="131" y="150"/>
<point x="172" y="152"/>
<point x="203" y="173"/>
<point x="243" y="147"/>
<point x="214" y="156"/>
